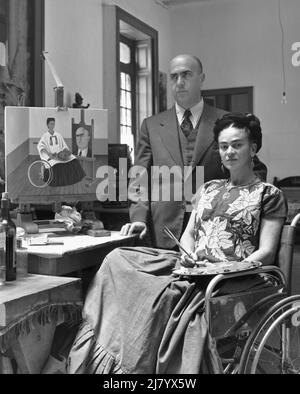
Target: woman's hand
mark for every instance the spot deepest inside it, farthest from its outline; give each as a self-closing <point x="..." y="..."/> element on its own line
<point x="187" y="261"/>
<point x="63" y="155"/>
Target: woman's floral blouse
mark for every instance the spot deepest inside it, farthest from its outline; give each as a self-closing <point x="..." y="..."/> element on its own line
<point x="228" y="218"/>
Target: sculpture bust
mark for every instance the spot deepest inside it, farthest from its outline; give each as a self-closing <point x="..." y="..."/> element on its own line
<point x="78" y="102"/>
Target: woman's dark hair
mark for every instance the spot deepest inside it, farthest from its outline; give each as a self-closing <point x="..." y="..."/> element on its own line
<point x="247" y="121"/>
<point x="50" y="120"/>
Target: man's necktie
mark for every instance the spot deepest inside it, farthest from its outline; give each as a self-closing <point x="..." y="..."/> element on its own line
<point x="187" y="125"/>
<point x="53" y="137"/>
<point x="79" y="153"/>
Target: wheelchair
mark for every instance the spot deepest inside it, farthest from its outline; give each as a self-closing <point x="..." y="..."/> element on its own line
<point x="257" y="331"/>
<point x="40" y="173"/>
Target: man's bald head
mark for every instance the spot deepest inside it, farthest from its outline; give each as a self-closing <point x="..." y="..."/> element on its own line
<point x="186" y="74"/>
<point x="188" y="57"/>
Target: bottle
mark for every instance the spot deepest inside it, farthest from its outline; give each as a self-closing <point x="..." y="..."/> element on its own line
<point x="22" y="259"/>
<point x="10" y="238"/>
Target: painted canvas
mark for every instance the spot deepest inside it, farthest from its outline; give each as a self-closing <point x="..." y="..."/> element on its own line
<point x="53" y="155"/>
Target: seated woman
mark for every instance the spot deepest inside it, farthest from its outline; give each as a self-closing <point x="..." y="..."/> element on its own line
<point x="138" y="317"/>
<point x="63" y="168"/>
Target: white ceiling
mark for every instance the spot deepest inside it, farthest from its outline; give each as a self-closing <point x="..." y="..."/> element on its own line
<point x="174" y="2"/>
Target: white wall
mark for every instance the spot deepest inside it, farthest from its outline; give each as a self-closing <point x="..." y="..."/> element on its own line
<point x="239" y="42"/>
<point x="74" y="40"/>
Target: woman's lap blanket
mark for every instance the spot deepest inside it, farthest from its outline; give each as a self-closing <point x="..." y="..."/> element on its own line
<point x="139" y="319"/>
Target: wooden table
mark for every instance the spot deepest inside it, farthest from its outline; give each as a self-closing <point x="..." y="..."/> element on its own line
<point x="77" y="253"/>
<point x="30" y="310"/>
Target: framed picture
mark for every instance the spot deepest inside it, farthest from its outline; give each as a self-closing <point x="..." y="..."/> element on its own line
<point x="82" y="140"/>
<point x="39" y="159"/>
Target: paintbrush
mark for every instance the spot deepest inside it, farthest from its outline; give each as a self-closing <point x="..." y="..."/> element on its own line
<point x="172" y="236"/>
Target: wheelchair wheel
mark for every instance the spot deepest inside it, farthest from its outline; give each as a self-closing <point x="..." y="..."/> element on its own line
<point x="40" y="173"/>
<point x="231" y="347"/>
<point x="274" y="345"/>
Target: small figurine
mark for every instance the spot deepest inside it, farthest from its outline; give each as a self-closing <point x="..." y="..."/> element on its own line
<point x="78" y="102"/>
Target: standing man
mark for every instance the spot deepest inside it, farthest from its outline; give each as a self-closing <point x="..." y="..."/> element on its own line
<point x="181" y="136"/>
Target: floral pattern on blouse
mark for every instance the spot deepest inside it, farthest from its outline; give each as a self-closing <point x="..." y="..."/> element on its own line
<point x="228" y="218"/>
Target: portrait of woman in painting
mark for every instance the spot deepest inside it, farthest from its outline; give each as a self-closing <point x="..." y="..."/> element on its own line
<point x="65" y="168"/>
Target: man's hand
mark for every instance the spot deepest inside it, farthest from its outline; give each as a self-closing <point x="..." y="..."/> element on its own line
<point x="135" y="228"/>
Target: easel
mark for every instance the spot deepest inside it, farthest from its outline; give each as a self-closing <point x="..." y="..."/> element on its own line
<point x="25" y="219"/>
<point x="31" y="226"/>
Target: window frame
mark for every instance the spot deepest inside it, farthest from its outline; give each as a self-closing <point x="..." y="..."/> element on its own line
<point x="113" y="16"/>
<point x="213" y="94"/>
<point x="131" y="70"/>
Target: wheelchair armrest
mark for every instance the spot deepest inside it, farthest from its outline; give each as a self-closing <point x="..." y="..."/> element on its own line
<point x="295" y="220"/>
<point x="221" y="277"/>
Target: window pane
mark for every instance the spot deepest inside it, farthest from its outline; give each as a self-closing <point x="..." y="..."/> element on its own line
<point x="123" y="116"/>
<point x="128" y="82"/>
<point x="123" y="98"/>
<point x="2" y="54"/>
<point x="143" y="98"/>
<point x="123" y="83"/>
<point x="124" y="53"/>
<point x="128" y="100"/>
<point x="127" y="138"/>
<point x="123" y="131"/>
<point x="142" y="57"/>
<point x="128" y="117"/>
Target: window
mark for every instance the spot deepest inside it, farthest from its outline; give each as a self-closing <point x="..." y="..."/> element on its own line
<point x="231" y="99"/>
<point x="127" y="93"/>
<point x="130" y="74"/>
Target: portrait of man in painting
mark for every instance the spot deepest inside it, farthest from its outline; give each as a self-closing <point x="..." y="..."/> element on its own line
<point x="82" y="141"/>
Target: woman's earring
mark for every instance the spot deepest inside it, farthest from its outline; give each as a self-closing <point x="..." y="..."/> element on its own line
<point x="223" y="168"/>
<point x="252" y="162"/>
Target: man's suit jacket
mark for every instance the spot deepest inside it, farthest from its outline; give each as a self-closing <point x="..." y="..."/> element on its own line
<point x="89" y="152"/>
<point x="159" y="145"/>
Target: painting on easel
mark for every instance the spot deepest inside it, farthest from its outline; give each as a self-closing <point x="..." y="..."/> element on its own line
<point x="41" y="158"/>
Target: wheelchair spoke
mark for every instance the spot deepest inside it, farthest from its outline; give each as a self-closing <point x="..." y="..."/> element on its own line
<point x="274" y="346"/>
<point x="279" y="360"/>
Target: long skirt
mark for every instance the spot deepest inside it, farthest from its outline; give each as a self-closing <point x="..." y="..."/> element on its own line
<point x="64" y="174"/>
<point x="138" y="318"/>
